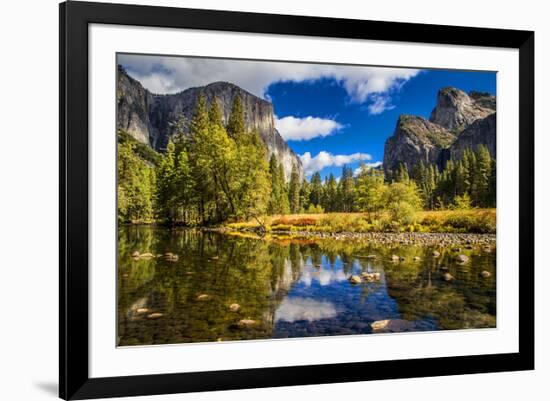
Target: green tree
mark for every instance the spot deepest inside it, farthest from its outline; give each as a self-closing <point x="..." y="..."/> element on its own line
<point x="235" y="124"/>
<point x="371" y="191"/>
<point x="304" y="195"/>
<point x="347" y="190"/>
<point x="402" y="173"/>
<point x="294" y="191"/>
<point x="135" y="188"/>
<point x="403" y="201"/>
<point x="315" y="189"/>
<point x="482" y="178"/>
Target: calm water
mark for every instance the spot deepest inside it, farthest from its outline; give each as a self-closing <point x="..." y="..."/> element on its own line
<point x="290" y="288"/>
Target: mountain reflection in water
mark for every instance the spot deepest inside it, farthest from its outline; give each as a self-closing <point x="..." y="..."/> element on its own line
<point x="221" y="287"/>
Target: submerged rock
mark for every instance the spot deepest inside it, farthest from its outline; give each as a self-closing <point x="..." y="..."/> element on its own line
<point x="370" y="277"/>
<point x="417" y="259"/>
<point x="203" y="297"/>
<point x="462" y="259"/>
<point x="355" y="280"/>
<point x="435" y="254"/>
<point x="155" y="315"/>
<point x="391" y="326"/>
<point x="234" y="307"/>
<point x="142" y="310"/>
<point x="485" y="274"/>
<point x="448" y="277"/>
<point x="246" y="323"/>
<point x="135" y="254"/>
<point x="394" y="258"/>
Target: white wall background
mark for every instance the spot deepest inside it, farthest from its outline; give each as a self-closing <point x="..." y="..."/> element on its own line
<point x="29" y="201"/>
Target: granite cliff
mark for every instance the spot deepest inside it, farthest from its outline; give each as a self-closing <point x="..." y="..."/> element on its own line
<point x="147" y="117"/>
<point x="458" y="121"/>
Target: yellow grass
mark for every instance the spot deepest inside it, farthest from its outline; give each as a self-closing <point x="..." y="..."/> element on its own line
<point x="472" y="220"/>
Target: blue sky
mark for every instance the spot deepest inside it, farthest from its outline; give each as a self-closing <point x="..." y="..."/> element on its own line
<point x="330" y="115"/>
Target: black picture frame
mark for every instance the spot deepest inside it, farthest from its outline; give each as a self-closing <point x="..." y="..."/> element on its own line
<point x="75" y="17"/>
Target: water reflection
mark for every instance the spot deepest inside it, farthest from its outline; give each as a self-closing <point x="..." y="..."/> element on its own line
<point x="297" y="308"/>
<point x="217" y="287"/>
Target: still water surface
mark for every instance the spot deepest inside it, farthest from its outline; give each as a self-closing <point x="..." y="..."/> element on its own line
<point x="223" y="287"/>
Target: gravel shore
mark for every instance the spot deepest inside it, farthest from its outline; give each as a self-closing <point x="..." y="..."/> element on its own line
<point x="427" y="239"/>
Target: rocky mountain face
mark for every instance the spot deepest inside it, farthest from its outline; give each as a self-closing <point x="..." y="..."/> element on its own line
<point x="456" y="110"/>
<point x="415" y="139"/>
<point x="480" y="132"/>
<point x="458" y="121"/>
<point x="148" y="117"/>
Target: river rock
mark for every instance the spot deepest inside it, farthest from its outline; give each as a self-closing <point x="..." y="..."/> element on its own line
<point x="417" y="259"/>
<point x="370" y="277"/>
<point x="391" y="326"/>
<point x="234" y="307"/>
<point x="462" y="259"/>
<point x="171" y="257"/>
<point x="394" y="258"/>
<point x="485" y="274"/>
<point x="448" y="277"/>
<point x="135" y="254"/>
<point x="155" y="315"/>
<point x="246" y="322"/>
<point x="142" y="310"/>
<point x="146" y="255"/>
<point x="435" y="254"/>
<point x="444" y="268"/>
<point x="355" y="280"/>
<point x="203" y="297"/>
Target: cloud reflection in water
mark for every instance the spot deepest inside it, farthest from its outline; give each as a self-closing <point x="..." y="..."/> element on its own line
<point x="297" y="308"/>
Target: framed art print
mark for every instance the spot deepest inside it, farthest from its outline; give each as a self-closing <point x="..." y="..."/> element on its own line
<point x="254" y="200"/>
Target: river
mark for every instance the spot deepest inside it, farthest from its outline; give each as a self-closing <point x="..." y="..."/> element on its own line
<point x="214" y="286"/>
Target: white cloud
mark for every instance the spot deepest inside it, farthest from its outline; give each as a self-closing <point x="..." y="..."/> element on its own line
<point x="174" y="74"/>
<point x="367" y="166"/>
<point x="299" y="129"/>
<point x="380" y="103"/>
<point x="326" y="159"/>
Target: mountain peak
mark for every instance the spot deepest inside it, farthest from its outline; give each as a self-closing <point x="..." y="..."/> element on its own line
<point x="455" y="109"/>
<point x="148" y="117"/>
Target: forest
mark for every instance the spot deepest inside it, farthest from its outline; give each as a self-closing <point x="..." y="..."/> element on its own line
<point x="213" y="173"/>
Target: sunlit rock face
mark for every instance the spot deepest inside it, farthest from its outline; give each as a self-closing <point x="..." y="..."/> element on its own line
<point x="148" y="117"/>
<point x="455" y="109"/>
<point x="133" y="105"/>
<point x="414" y="140"/>
<point x="457" y="122"/>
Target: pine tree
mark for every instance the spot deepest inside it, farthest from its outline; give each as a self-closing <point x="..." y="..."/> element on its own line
<point x="481" y="178"/>
<point x="235" y="124"/>
<point x="316" y="189"/>
<point x="347" y="189"/>
<point x="304" y="196"/>
<point x="294" y="191"/>
<point x="402" y="173"/>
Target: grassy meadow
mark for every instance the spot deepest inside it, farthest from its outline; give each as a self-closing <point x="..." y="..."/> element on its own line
<point x="482" y="221"/>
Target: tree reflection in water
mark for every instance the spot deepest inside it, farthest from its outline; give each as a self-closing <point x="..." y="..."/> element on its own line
<point x="289" y="288"/>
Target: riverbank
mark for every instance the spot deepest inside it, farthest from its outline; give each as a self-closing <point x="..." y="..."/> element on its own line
<point x="425" y="239"/>
<point x="471" y="221"/>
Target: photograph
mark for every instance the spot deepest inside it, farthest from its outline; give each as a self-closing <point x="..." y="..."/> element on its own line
<point x="270" y="199"/>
